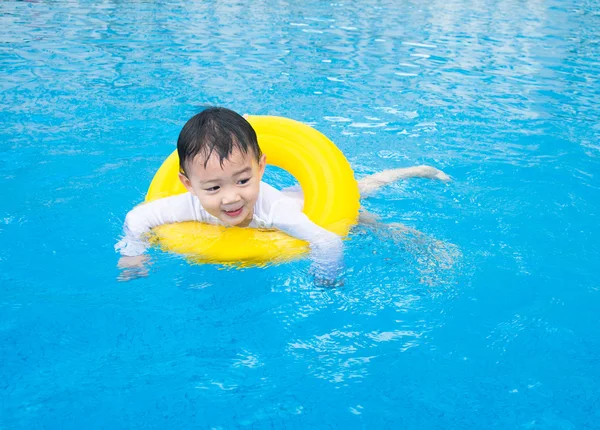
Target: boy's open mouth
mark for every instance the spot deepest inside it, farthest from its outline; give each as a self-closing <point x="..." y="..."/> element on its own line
<point x="234" y="213"/>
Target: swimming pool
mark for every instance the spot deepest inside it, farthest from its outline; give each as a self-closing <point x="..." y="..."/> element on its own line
<point x="488" y="320"/>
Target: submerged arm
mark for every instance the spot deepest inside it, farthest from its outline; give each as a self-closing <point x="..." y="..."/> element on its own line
<point x="326" y="248"/>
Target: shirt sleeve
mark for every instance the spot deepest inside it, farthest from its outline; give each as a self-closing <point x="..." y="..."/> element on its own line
<point x="143" y="218"/>
<point x="327" y="251"/>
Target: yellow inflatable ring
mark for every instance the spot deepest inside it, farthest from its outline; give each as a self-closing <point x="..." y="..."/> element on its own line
<point x="331" y="198"/>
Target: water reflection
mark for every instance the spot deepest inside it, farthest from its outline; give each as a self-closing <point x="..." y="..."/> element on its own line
<point x="429" y="54"/>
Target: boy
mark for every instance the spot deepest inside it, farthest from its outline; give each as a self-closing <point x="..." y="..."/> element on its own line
<point x="221" y="166"/>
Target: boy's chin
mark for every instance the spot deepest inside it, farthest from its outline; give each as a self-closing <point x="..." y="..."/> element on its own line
<point x="240" y="224"/>
<point x="241" y="221"/>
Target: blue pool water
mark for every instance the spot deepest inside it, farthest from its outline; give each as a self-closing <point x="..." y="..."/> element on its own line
<point x="487" y="320"/>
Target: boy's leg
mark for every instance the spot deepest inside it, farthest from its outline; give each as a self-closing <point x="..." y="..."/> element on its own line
<point x="371" y="183"/>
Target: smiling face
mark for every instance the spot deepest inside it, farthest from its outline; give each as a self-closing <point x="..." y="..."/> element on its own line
<point x="229" y="190"/>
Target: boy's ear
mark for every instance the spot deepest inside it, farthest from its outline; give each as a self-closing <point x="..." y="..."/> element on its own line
<point x="262" y="164"/>
<point x="186" y="183"/>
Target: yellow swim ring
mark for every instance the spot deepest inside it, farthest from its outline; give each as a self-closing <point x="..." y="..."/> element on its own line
<point x="331" y="198"/>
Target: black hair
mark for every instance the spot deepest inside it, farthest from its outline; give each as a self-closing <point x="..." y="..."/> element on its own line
<point x="219" y="130"/>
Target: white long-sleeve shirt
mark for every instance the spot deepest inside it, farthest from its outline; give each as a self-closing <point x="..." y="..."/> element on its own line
<point x="274" y="209"/>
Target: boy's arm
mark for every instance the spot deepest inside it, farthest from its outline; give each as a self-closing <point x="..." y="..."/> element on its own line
<point x="327" y="250"/>
<point x="143" y="218"/>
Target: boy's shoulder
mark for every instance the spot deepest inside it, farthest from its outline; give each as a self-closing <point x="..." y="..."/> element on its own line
<point x="270" y="199"/>
<point x="269" y="192"/>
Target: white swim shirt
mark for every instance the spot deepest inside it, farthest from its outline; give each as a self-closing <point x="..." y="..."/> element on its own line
<point x="274" y="209"/>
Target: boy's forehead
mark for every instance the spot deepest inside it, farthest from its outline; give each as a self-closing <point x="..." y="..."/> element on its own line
<point x="236" y="160"/>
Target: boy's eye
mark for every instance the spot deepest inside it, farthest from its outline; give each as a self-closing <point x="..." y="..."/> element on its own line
<point x="243" y="181"/>
<point x="215" y="188"/>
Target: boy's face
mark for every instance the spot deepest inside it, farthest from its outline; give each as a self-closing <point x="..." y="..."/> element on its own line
<point x="227" y="191"/>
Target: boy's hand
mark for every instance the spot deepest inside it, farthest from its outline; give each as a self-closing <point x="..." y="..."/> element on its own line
<point x="329" y="282"/>
<point x="127" y="262"/>
<point x="132" y="267"/>
<point x="327" y="274"/>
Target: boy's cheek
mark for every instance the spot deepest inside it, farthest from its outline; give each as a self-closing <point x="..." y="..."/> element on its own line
<point x="207" y="205"/>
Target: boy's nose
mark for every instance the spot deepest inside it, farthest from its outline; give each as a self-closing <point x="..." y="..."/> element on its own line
<point x="230" y="197"/>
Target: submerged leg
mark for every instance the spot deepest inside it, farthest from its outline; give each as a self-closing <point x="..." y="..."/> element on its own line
<point x="372" y="183"/>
